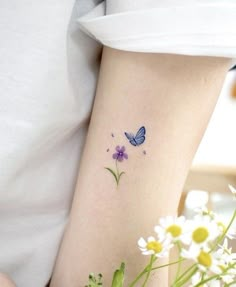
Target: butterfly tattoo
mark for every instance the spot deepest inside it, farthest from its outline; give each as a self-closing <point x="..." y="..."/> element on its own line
<point x="137" y="139"/>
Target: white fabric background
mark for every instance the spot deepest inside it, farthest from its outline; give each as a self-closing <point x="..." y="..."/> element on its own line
<point x="48" y="74"/>
<point x="43" y="113"/>
<point x="195" y="27"/>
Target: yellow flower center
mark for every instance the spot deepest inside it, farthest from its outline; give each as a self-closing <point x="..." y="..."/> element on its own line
<point x="200" y="234"/>
<point x="174" y="230"/>
<point x="204" y="259"/>
<point x="155" y="246"/>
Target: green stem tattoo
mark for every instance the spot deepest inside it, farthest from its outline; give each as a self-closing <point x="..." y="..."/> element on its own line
<point x="117" y="175"/>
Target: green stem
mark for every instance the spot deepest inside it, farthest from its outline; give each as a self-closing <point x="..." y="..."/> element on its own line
<point x="214" y="277"/>
<point x="169" y="264"/>
<point x="149" y="271"/>
<point x="206" y="280"/>
<point x="117" y="169"/>
<point x="230" y="284"/>
<point x="179" y="264"/>
<point x="203" y="275"/>
<point x="224" y="233"/>
<point x="118" y="174"/>
<point x="139" y="276"/>
<point x="155" y="268"/>
<point x="181" y="283"/>
<point x="185" y="273"/>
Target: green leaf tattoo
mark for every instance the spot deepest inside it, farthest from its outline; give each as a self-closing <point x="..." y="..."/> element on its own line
<point x="114" y="174"/>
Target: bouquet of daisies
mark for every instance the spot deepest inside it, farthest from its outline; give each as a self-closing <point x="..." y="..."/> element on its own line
<point x="202" y="242"/>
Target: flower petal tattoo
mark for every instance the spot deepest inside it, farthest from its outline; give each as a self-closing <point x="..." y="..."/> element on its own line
<point x="120" y="153"/>
<point x="118" y="156"/>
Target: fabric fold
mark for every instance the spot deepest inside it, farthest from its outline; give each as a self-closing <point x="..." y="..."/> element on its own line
<point x="199" y="29"/>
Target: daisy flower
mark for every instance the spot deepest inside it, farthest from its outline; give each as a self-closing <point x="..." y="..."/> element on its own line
<point x="203" y="230"/>
<point x="160" y="248"/>
<point x="204" y="211"/>
<point x="225" y="254"/>
<point x="172" y="227"/>
<point x="206" y="261"/>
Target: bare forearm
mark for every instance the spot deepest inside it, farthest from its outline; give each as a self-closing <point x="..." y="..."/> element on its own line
<point x="172" y="97"/>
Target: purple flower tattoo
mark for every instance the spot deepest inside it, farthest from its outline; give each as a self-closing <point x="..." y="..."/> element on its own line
<point x="118" y="156"/>
<point x="120" y="153"/>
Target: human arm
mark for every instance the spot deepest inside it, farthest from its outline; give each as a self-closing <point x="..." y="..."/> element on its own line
<point x="173" y="96"/>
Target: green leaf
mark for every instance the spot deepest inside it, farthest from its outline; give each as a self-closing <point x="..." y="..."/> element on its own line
<point x="113" y="173"/>
<point x="120" y="175"/>
<point x="118" y="277"/>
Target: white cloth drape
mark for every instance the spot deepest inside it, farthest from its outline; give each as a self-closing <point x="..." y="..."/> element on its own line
<point x="190" y="27"/>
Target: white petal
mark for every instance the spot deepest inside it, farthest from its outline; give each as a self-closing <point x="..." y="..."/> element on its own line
<point x="185" y="253"/>
<point x="158" y="229"/>
<point x="148" y="252"/>
<point x="233" y="256"/>
<point x="151" y="238"/>
<point x="227" y="279"/>
<point x="142" y="242"/>
<point x="181" y="219"/>
<point x="215" y="283"/>
<point x="186" y="239"/>
<point x="162" y="222"/>
<point x="196" y="278"/>
<point x="232" y="189"/>
<point x="215" y="269"/>
<point x="225" y="244"/>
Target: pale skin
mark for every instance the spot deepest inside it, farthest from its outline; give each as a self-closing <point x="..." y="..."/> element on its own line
<point x="173" y="96"/>
<point x="5" y="281"/>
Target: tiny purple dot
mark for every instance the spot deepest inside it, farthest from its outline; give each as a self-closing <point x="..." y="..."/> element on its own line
<point x="144" y="152"/>
<point x="112" y="135"/>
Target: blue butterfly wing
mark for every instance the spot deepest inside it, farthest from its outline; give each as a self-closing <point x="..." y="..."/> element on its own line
<point x="129" y="136"/>
<point x="140" y="136"/>
<point x="133" y="142"/>
<point x="141" y="132"/>
<point x="140" y="140"/>
<point x="131" y="139"/>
